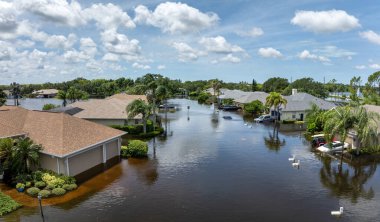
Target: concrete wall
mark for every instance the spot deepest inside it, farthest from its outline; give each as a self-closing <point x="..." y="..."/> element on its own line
<point x="48" y="162"/>
<point x="112" y="149"/>
<point x="86" y="160"/>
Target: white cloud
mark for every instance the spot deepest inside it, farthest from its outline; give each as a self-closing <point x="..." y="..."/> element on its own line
<point x="230" y="58"/>
<point x="219" y="44"/>
<point x="334" y="52"/>
<point x="269" y="53"/>
<point x="360" y="67"/>
<point x="88" y="46"/>
<point x="58" y="11"/>
<point x="8" y="16"/>
<point x="374" y="66"/>
<point x="108" y="16"/>
<point x="110" y="57"/>
<point x="254" y="32"/>
<point x="371" y="36"/>
<point x="140" y="66"/>
<point x="325" y="21"/>
<point x="74" y="56"/>
<point x="305" y="54"/>
<point x="120" y="44"/>
<point x="60" y="41"/>
<point x="186" y="52"/>
<point x="161" y="67"/>
<point x="24" y="44"/>
<point x="172" y="17"/>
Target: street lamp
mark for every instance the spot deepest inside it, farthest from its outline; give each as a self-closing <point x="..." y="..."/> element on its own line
<point x="39" y="201"/>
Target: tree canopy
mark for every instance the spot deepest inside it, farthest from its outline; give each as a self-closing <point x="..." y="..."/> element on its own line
<point x="275" y="84"/>
<point x="307" y="85"/>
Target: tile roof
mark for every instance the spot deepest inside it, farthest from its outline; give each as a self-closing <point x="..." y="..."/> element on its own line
<point x="59" y="134"/>
<point x="303" y="101"/>
<point x="109" y="108"/>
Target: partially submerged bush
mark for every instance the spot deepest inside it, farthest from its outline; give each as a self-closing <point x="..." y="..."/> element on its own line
<point x="33" y="191"/>
<point x="58" y="191"/>
<point x="45" y="193"/>
<point x="70" y="187"/>
<point x="20" y="186"/>
<point x="28" y="184"/>
<point x="135" y="148"/>
<point x="7" y="204"/>
<point x="40" y="184"/>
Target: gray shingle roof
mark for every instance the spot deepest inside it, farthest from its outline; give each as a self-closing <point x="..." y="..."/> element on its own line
<point x="252" y="96"/>
<point x="304" y="101"/>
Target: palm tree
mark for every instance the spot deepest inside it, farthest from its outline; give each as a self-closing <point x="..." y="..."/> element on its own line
<point x="15" y="91"/>
<point x="62" y="95"/>
<point x="139" y="106"/>
<point x="275" y="100"/>
<point x="162" y="94"/>
<point x="6" y="145"/>
<point x="24" y="155"/>
<point x="216" y="85"/>
<point x="3" y="97"/>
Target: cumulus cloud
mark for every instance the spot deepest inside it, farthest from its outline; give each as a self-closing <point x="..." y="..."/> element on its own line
<point x="325" y="21"/>
<point x="371" y="36"/>
<point x="108" y="16"/>
<point x="374" y="66"/>
<point x="186" y="52"/>
<point x="334" y="52"/>
<point x="219" y="44"/>
<point x="110" y="57"/>
<point x="120" y="44"/>
<point x="254" y="32"/>
<point x="269" y="53"/>
<point x="230" y="58"/>
<point x="161" y="67"/>
<point x="74" y="56"/>
<point x="307" y="55"/>
<point x="60" y="41"/>
<point x="360" y="67"/>
<point x="140" y="66"/>
<point x="58" y="11"/>
<point x="88" y="46"/>
<point x="172" y="17"/>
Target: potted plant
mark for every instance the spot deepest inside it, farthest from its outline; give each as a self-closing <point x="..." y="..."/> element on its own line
<point x="20" y="187"/>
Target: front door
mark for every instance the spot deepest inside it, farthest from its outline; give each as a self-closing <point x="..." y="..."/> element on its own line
<point x="301" y="117"/>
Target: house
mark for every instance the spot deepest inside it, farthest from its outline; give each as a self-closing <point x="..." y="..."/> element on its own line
<point x="299" y="104"/>
<point x="45" y="93"/>
<point x="108" y="111"/>
<point x="71" y="146"/>
<point x="252" y="96"/>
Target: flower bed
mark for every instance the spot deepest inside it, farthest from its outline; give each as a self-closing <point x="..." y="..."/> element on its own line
<point x="7" y="204"/>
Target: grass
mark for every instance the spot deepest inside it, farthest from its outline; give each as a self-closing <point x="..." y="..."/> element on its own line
<point x="7" y="204"/>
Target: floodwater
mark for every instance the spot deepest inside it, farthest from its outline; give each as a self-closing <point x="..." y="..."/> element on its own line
<point x="35" y="103"/>
<point x="209" y="170"/>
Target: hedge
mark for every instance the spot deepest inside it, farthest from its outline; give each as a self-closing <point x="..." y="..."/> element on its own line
<point x="33" y="191"/>
<point x="7" y="204"/>
<point x="45" y="193"/>
<point x="58" y="191"/>
<point x="135" y="148"/>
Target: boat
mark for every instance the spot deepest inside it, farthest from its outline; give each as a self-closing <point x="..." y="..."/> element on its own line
<point x="333" y="147"/>
<point x="227" y="117"/>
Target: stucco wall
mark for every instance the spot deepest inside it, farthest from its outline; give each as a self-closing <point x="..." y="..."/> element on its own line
<point x="289" y="115"/>
<point x="48" y="162"/>
<point x="108" y="122"/>
<point x="112" y="149"/>
<point x="86" y="160"/>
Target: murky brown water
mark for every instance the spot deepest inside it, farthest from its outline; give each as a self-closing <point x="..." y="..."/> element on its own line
<point x="221" y="171"/>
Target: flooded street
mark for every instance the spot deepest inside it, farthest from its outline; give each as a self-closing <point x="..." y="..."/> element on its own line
<point x="222" y="170"/>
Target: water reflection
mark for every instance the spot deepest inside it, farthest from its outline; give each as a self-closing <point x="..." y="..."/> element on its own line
<point x="215" y="120"/>
<point x="273" y="142"/>
<point x="145" y="169"/>
<point x="347" y="181"/>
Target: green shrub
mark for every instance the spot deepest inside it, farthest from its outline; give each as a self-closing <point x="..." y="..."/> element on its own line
<point x="40" y="184"/>
<point x="51" y="186"/>
<point x="20" y="186"/>
<point x="203" y="97"/>
<point x="28" y="184"/>
<point x="70" y="187"/>
<point x="58" y="191"/>
<point x="7" y="204"/>
<point x="135" y="148"/>
<point x="37" y="175"/>
<point x="254" y="107"/>
<point x="49" y="106"/>
<point x="45" y="193"/>
<point x="124" y="151"/>
<point x="33" y="191"/>
<point x="68" y="179"/>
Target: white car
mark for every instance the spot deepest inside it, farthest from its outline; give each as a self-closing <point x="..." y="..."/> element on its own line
<point x="263" y="118"/>
<point x="335" y="146"/>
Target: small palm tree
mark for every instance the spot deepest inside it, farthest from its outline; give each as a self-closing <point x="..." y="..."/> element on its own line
<point x="162" y="94"/>
<point x="24" y="155"/>
<point x="139" y="106"/>
<point x="275" y="100"/>
<point x="62" y="95"/>
<point x="216" y="85"/>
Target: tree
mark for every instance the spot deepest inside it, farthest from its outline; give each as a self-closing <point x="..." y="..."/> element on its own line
<point x="276" y="100"/>
<point x="62" y="95"/>
<point x="24" y="155"/>
<point x="15" y="92"/>
<point x="3" y="97"/>
<point x="137" y="107"/>
<point x="216" y="85"/>
<point x="74" y="94"/>
<point x="163" y="94"/>
<point x="355" y="83"/>
<point x="374" y="81"/>
<point x="314" y="119"/>
<point x="275" y="84"/>
<point x="49" y="106"/>
<point x="254" y="85"/>
<point x="254" y="107"/>
<point x="307" y="85"/>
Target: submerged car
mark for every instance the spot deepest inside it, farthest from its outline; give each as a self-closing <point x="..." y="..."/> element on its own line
<point x="318" y="140"/>
<point x="264" y="118"/>
<point x="333" y="147"/>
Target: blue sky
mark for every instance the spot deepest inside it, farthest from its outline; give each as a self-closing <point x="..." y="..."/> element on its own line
<point x="56" y="40"/>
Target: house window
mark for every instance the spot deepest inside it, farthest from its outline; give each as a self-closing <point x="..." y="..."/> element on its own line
<point x="136" y="121"/>
<point x="293" y="116"/>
